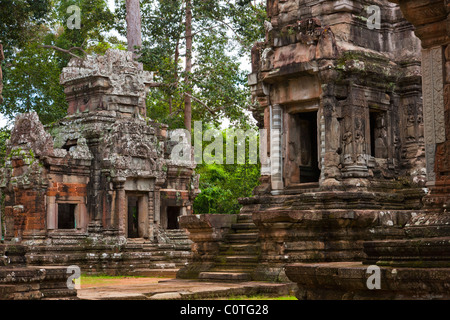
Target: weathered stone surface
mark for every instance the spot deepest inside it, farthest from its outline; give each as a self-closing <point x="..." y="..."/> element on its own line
<point x="208" y="233"/>
<point x="98" y="189"/>
<point x="348" y="281"/>
<point x="21" y="282"/>
<point x="417" y="266"/>
<point x="350" y="154"/>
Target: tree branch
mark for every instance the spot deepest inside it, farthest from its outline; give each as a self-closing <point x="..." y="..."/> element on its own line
<point x="66" y="51"/>
<point x="213" y="112"/>
<point x="201" y="102"/>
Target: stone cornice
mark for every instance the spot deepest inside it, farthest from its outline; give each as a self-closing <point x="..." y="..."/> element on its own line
<point x="431" y="19"/>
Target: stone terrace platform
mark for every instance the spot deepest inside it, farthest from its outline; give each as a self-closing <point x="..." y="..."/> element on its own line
<point x="348" y="281"/>
<point x="176" y="289"/>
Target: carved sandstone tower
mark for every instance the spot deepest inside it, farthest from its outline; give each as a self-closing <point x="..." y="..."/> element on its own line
<point x="99" y="180"/>
<point x="416" y="266"/>
<point x="341" y="100"/>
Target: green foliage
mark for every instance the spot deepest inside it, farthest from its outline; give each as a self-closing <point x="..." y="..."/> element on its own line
<point x="19" y="19"/>
<point x="4" y="135"/>
<point x="223" y="32"/>
<point x="30" y="72"/>
<point x="222" y="184"/>
<point x="31" y="82"/>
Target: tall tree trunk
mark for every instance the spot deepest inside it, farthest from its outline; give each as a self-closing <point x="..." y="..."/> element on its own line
<point x="134" y="36"/>
<point x="188" y="68"/>
<point x="1" y="83"/>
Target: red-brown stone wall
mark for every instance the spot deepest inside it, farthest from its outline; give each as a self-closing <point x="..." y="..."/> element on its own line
<point x="27" y="214"/>
<point x="60" y="189"/>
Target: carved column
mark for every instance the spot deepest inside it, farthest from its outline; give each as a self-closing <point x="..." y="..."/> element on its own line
<point x="355" y="134"/>
<point x="276" y="159"/>
<point x="331" y="158"/>
<point x="120" y="210"/>
<point x="157" y="205"/>
<point x="432" y="23"/>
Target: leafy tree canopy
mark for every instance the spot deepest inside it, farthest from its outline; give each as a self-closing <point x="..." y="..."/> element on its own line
<point x="31" y="72"/>
<point x="223" y="31"/>
<point x="222" y="184"/>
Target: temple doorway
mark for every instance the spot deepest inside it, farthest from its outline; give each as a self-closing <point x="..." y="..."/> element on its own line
<point x="133" y="217"/>
<point x="301" y="163"/>
<point x="308" y="164"/>
<point x="172" y="217"/>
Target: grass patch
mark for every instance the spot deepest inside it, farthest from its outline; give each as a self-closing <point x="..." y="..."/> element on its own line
<point x="102" y="280"/>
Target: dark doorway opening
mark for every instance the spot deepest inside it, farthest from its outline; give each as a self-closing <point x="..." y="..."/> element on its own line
<point x="373" y="125"/>
<point x="66" y="216"/>
<point x="133" y="217"/>
<point x="309" y="165"/>
<point x="172" y="217"/>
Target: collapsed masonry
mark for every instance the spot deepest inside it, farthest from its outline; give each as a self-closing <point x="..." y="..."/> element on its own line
<point x="98" y="189"/>
<point x="343" y="104"/>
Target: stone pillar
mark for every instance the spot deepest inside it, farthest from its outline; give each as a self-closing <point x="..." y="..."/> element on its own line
<point x="331" y="137"/>
<point x="151" y="214"/>
<point x="433" y="100"/>
<point x="432" y="22"/>
<point x="157" y="205"/>
<point x="276" y="159"/>
<point x="51" y="213"/>
<point x="120" y="210"/>
<point x="355" y="134"/>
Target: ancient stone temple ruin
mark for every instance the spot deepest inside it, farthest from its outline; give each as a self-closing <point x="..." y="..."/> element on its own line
<point x="357" y="116"/>
<point x="416" y="266"/>
<point x="98" y="188"/>
<point x="357" y="169"/>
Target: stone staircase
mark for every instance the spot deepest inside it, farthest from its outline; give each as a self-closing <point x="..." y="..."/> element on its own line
<point x="238" y="255"/>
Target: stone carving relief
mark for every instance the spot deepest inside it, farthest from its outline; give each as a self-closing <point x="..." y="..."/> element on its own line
<point x="348" y="147"/>
<point x="123" y="74"/>
<point x="29" y="133"/>
<point x="433" y="99"/>
<point x="130" y="151"/>
<point x="380" y="132"/>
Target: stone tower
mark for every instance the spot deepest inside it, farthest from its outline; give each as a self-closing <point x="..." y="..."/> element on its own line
<point x="103" y="175"/>
<point x="341" y="99"/>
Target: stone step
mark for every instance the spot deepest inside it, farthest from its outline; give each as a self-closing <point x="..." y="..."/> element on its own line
<point x="235" y="248"/>
<point x="242" y="237"/>
<point x="235" y="267"/>
<point x="237" y="259"/>
<point x="244" y="218"/>
<point x="225" y="276"/>
<point x="244" y="226"/>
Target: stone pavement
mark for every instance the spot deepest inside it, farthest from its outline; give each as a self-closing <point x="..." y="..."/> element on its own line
<point x="176" y="289"/>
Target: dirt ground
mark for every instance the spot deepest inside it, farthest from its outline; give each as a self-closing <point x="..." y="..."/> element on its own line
<point x="171" y="289"/>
